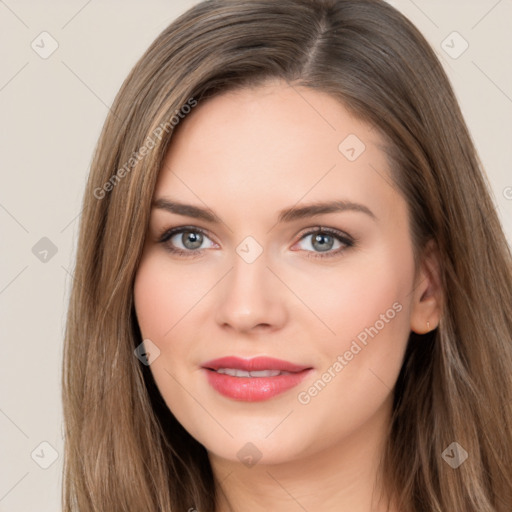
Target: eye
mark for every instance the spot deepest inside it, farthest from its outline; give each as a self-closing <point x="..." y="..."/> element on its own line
<point x="185" y="241"/>
<point x="188" y="241"/>
<point x="324" y="240"/>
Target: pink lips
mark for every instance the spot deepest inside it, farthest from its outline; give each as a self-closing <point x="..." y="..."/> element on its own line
<point x="249" y="388"/>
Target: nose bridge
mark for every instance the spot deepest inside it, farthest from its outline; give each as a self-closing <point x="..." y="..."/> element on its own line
<point x="250" y="293"/>
<point x="249" y="275"/>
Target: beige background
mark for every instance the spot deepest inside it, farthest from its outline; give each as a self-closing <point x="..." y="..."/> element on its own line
<point x="52" y="111"/>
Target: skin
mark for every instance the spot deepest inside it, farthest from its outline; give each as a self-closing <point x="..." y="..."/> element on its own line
<point x="270" y="148"/>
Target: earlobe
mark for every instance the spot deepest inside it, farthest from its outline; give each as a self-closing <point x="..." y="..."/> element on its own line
<point x="428" y="294"/>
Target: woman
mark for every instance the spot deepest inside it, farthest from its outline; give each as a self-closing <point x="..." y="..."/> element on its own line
<point x="292" y="290"/>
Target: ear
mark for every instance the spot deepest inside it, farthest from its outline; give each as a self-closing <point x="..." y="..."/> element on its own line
<point x="428" y="293"/>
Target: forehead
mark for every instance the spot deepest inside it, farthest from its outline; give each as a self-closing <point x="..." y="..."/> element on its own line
<point x="275" y="143"/>
<point x="275" y="116"/>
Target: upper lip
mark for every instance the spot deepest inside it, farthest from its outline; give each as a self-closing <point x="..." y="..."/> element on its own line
<point x="255" y="364"/>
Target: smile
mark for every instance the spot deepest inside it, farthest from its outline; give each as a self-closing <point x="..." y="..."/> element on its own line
<point x="253" y="380"/>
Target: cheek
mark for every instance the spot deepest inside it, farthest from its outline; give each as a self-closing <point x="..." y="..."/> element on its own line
<point x="367" y="307"/>
<point x="163" y="295"/>
<point x="353" y="298"/>
<point x="360" y="365"/>
<point x="170" y="311"/>
<point x="160" y="305"/>
<point x="152" y="303"/>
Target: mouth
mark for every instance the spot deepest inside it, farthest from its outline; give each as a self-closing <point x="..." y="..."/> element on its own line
<point x="253" y="380"/>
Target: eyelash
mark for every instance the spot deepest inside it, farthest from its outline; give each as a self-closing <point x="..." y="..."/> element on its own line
<point x="345" y="239"/>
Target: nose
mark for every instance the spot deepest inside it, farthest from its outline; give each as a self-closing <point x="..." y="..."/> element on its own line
<point x="251" y="297"/>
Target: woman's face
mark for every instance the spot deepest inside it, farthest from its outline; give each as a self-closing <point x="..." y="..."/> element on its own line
<point x="251" y="275"/>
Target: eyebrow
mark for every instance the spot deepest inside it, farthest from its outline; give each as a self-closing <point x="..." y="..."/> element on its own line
<point x="286" y="215"/>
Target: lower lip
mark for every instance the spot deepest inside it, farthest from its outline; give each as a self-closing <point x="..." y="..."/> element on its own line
<point x="253" y="389"/>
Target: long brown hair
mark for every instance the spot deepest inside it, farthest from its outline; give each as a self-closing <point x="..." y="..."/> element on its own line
<point x="124" y="450"/>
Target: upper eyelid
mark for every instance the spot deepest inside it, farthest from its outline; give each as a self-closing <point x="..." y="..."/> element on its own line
<point x="169" y="233"/>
